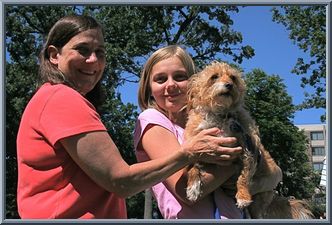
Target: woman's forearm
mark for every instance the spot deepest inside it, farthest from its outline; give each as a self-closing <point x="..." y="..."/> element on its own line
<point x="140" y="176"/>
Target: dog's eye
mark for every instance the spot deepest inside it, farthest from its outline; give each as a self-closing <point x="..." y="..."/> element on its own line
<point x="232" y="77"/>
<point x="214" y="77"/>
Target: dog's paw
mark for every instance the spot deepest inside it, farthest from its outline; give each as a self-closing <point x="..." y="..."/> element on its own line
<point x="241" y="203"/>
<point x="194" y="191"/>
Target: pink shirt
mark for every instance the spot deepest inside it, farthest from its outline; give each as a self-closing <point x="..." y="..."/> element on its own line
<point x="169" y="206"/>
<point x="50" y="184"/>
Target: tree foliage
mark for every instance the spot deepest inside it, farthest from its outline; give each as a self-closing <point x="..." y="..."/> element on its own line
<point x="132" y="33"/>
<point x="272" y="108"/>
<point x="307" y="26"/>
<point x="140" y="30"/>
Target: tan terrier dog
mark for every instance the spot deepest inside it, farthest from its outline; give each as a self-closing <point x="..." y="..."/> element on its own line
<point x="216" y="99"/>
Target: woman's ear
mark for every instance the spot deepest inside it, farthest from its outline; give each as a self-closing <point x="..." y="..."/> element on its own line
<point x="53" y="53"/>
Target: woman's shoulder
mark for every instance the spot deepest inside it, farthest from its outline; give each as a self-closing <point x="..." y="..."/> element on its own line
<point x="57" y="88"/>
<point x="151" y="113"/>
<point x="153" y="116"/>
<point x="57" y="91"/>
<point x="54" y="93"/>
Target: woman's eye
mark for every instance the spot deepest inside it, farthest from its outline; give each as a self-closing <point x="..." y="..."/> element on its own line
<point x="181" y="77"/>
<point x="160" y="80"/>
<point x="100" y="53"/>
<point x="83" y="51"/>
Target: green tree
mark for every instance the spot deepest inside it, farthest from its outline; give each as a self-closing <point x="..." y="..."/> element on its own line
<point x="205" y="30"/>
<point x="272" y="108"/>
<point x="307" y="26"/>
<point x="131" y="33"/>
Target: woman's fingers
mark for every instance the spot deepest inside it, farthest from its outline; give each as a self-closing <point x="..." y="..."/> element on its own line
<point x="223" y="156"/>
<point x="212" y="131"/>
<point x="210" y="146"/>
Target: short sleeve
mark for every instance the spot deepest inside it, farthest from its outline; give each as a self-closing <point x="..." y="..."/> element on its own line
<point x="67" y="113"/>
<point x="150" y="116"/>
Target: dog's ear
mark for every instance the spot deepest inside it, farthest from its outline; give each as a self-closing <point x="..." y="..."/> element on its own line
<point x="192" y="91"/>
<point x="242" y="83"/>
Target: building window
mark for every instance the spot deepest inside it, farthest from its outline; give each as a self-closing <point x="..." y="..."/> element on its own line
<point x="318" y="151"/>
<point x="318" y="166"/>
<point x="317" y="135"/>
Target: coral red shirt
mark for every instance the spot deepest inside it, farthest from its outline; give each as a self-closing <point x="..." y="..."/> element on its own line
<point x="50" y="183"/>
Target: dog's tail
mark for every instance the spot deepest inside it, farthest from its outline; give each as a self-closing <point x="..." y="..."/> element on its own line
<point x="288" y="208"/>
<point x="300" y="209"/>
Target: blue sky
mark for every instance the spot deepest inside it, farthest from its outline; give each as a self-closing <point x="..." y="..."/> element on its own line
<point x="275" y="54"/>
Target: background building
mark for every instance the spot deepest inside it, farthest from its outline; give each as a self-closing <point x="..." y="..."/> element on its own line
<point x="317" y="147"/>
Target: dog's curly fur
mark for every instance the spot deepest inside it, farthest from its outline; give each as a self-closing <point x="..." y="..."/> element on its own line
<point x="216" y="99"/>
<point x="286" y="208"/>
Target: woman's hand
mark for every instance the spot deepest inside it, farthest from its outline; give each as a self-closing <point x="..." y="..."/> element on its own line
<point x="208" y="146"/>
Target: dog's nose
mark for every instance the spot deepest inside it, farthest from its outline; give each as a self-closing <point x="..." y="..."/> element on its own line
<point x="229" y="86"/>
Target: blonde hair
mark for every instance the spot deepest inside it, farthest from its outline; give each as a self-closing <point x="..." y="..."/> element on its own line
<point x="145" y="99"/>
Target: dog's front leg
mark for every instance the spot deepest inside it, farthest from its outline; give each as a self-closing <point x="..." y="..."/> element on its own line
<point x="243" y="195"/>
<point x="194" y="184"/>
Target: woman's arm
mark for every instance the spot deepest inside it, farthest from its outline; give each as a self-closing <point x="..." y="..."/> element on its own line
<point x="97" y="155"/>
<point x="158" y="143"/>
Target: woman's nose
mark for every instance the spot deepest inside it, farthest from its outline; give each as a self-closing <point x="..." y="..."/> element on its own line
<point x="171" y="84"/>
<point x="92" y="58"/>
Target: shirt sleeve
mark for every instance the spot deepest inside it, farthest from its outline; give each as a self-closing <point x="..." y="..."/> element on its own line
<point x="68" y="113"/>
<point x="150" y="116"/>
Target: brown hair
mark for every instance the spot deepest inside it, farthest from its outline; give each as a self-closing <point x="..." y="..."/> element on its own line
<point x="59" y="35"/>
<point x="145" y="100"/>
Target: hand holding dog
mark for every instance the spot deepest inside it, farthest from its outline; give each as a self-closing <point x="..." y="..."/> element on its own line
<point x="209" y="146"/>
